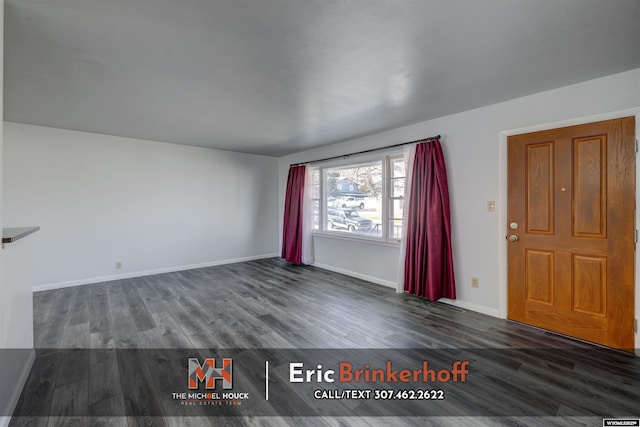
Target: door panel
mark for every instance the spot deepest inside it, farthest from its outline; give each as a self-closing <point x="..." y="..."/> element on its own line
<point x="590" y="186"/>
<point x="572" y="196"/>
<point x="540" y="180"/>
<point x="539" y="280"/>
<point x="589" y="285"/>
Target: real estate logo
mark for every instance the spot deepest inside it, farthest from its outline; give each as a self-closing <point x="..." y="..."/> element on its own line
<point x="208" y="373"/>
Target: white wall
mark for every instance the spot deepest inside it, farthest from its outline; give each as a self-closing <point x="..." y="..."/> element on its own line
<point x="16" y="320"/>
<point x="152" y="206"/>
<point x="477" y="173"/>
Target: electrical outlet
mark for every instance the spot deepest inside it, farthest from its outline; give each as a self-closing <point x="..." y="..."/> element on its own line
<point x="491" y="206"/>
<point x="474" y="282"/>
<point x="118" y="265"/>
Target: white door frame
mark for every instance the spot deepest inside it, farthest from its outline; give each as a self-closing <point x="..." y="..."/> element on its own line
<point x="503" y="198"/>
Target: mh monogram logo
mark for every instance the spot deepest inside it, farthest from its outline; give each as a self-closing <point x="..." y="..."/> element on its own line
<point x="208" y="371"/>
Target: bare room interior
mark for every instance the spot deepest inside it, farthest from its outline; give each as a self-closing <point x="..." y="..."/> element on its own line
<point x="354" y="184"/>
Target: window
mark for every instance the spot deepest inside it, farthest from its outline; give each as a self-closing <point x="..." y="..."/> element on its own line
<point x="354" y="198"/>
<point x="361" y="200"/>
<point x="397" y="178"/>
<point x="315" y="196"/>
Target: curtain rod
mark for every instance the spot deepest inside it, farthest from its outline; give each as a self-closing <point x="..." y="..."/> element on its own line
<point x="344" y="156"/>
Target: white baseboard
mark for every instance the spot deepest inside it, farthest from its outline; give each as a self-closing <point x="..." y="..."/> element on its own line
<point x="462" y="304"/>
<point x="371" y="279"/>
<point x="457" y="303"/>
<point x="472" y="307"/>
<point x="22" y="380"/>
<point x="100" y="279"/>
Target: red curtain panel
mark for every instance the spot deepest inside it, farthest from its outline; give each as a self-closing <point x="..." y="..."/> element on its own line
<point x="429" y="260"/>
<point x="292" y="225"/>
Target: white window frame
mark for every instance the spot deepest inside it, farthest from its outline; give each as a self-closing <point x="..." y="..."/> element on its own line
<point x="385" y="158"/>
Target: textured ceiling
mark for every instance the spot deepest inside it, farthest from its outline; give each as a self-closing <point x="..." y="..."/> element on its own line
<point x="279" y="76"/>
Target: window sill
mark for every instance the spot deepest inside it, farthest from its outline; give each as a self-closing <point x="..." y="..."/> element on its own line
<point x="355" y="238"/>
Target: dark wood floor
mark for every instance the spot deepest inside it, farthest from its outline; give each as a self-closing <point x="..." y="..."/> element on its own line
<point x="271" y="304"/>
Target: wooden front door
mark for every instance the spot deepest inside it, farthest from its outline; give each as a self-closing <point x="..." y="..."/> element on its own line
<point x="571" y="226"/>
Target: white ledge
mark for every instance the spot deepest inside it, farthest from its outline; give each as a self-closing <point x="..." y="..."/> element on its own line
<point x="355" y="238"/>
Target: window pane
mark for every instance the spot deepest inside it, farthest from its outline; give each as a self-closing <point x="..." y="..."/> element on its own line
<point x="395" y="229"/>
<point x="398" y="168"/>
<point x="395" y="208"/>
<point x="354" y="199"/>
<point x="397" y="187"/>
<point x="315" y="195"/>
